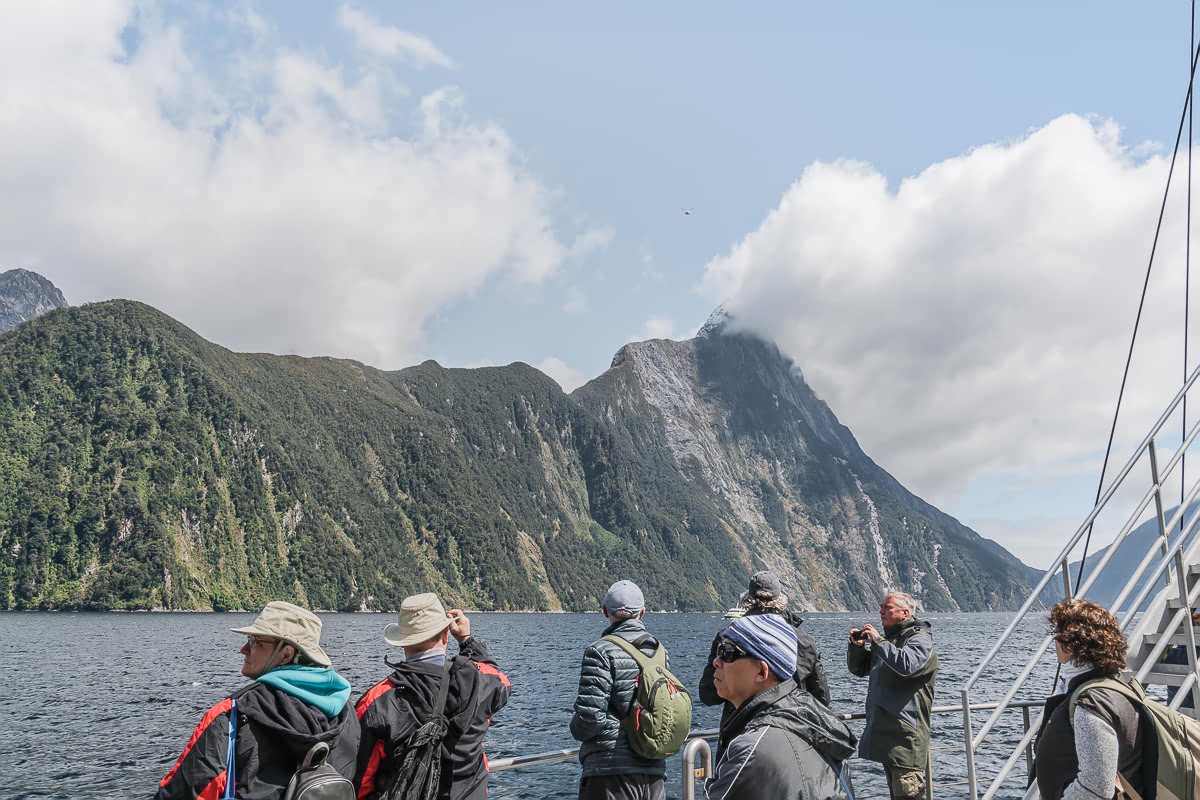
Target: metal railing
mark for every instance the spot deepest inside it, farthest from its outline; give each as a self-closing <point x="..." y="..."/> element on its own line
<point x="696" y="744"/>
<point x="1171" y="566"/>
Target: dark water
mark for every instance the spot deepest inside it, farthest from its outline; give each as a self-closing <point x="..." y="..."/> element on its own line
<point x="100" y="705"/>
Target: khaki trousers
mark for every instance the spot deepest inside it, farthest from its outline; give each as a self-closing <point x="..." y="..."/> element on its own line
<point x="905" y="784"/>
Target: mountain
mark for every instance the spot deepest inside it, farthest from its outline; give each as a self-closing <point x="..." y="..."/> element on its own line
<point x="25" y="295"/>
<point x="1120" y="568"/>
<point x="736" y="423"/>
<point x="144" y="467"/>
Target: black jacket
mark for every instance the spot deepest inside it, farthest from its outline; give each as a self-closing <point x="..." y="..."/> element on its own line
<point x="810" y="674"/>
<point x="395" y="707"/>
<point x="782" y="744"/>
<point x="275" y="730"/>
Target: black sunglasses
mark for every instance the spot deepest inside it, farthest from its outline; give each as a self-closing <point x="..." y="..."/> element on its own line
<point x="730" y="652"/>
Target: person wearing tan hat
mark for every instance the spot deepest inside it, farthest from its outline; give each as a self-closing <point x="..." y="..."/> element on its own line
<point x="295" y="701"/>
<point x="394" y="708"/>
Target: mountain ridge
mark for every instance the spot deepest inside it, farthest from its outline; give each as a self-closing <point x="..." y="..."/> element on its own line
<point x="142" y="466"/>
<point x="25" y="295"/>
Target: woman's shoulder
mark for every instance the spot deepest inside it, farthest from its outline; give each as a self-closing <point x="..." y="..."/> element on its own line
<point x="1107" y="703"/>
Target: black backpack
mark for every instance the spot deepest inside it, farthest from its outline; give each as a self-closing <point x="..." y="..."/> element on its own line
<point x="420" y="755"/>
<point x="314" y="779"/>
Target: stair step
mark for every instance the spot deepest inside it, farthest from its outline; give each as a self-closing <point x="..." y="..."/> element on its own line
<point x="1179" y="638"/>
<point x="1171" y="669"/>
<point x="1160" y="678"/>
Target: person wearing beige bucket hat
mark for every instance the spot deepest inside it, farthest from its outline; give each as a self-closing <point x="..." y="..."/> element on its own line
<point x="296" y="701"/>
<point x="392" y="710"/>
<point x="282" y="634"/>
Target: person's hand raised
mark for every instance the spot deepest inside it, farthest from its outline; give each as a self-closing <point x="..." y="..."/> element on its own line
<point x="460" y="625"/>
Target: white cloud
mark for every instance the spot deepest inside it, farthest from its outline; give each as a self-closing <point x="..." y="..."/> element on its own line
<point x="659" y="328"/>
<point x="276" y="207"/>
<point x="567" y="376"/>
<point x="590" y="241"/>
<point x="974" y="320"/>
<point x="391" y="42"/>
<point x="576" y="301"/>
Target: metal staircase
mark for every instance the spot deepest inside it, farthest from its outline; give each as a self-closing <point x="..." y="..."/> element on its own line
<point x="1153" y="617"/>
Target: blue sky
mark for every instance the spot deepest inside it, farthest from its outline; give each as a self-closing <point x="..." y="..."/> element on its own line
<point x="554" y="145"/>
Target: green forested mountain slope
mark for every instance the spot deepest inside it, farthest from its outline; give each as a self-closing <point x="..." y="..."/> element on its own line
<point x="143" y="467"/>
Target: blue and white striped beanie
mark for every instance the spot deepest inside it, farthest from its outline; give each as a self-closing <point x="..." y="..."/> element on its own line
<point x="767" y="637"/>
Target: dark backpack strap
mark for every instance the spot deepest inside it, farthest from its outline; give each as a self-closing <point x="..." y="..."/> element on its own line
<point x="641" y="640"/>
<point x="439" y="708"/>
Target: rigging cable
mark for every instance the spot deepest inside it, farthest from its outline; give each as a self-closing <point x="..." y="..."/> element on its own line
<point x="1187" y="291"/>
<point x="1187" y="105"/>
<point x="1186" y="115"/>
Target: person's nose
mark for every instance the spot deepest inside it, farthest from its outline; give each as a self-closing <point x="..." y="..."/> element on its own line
<point x="245" y="650"/>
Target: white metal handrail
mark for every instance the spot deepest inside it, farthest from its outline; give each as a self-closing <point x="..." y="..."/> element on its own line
<point x="696" y="745"/>
<point x="1171" y="557"/>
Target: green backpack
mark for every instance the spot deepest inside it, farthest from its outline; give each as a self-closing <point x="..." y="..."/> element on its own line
<point x="660" y="717"/>
<point x="1176" y="744"/>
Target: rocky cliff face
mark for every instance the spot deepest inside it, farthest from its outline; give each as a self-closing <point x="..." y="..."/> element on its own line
<point x="25" y="295"/>
<point x="789" y="482"/>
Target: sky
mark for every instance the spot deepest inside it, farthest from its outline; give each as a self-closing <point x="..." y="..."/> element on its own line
<point x="942" y="214"/>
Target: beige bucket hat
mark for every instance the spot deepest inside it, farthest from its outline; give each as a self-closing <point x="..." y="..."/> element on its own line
<point x="421" y="617"/>
<point x="297" y="626"/>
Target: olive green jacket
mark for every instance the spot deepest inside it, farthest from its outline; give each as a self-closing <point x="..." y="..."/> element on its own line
<point x="901" y="666"/>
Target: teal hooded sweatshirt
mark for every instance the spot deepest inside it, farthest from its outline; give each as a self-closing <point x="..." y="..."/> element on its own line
<point x="321" y="687"/>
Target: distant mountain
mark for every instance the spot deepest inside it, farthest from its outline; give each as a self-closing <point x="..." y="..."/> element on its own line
<point x="25" y="295"/>
<point x="1122" y="565"/>
<point x="143" y="467"/>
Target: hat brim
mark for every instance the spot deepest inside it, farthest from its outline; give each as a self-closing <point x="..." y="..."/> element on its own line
<point x="394" y="636"/>
<point x="314" y="654"/>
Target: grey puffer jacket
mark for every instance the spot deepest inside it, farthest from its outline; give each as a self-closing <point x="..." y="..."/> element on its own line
<point x="606" y="684"/>
<point x="784" y="745"/>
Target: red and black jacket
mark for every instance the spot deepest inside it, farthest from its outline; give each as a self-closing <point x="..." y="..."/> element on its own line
<point x="396" y="706"/>
<point x="274" y="732"/>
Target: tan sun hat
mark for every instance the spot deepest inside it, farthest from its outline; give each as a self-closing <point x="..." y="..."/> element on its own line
<point x="421" y="617"/>
<point x="296" y="626"/>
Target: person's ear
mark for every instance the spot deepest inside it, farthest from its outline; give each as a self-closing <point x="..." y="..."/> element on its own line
<point x="764" y="673"/>
<point x="641" y="614"/>
<point x="288" y="655"/>
<point x="445" y="636"/>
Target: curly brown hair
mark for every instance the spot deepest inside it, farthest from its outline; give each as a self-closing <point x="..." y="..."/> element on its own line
<point x="1091" y="634"/>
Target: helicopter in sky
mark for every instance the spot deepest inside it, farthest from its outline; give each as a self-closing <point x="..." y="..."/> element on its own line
<point x="687" y="211"/>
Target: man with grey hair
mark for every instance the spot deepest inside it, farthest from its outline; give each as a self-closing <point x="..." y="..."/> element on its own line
<point x="607" y="679"/>
<point x="901" y="664"/>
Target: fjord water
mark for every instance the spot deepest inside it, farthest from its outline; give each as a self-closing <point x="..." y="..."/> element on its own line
<point x="98" y="705"/>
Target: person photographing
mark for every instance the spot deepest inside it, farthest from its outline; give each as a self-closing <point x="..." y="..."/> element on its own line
<point x="901" y="665"/>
